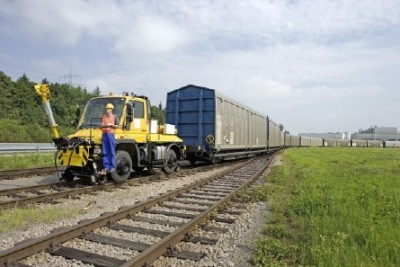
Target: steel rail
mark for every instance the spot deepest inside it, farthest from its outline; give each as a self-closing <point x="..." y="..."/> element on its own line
<point x="67" y="191"/>
<point x="32" y="246"/>
<point x="154" y="252"/>
<point x="23" y="173"/>
<point x="11" y="191"/>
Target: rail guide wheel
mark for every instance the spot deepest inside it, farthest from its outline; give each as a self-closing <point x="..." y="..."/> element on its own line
<point x="171" y="162"/>
<point x="67" y="175"/>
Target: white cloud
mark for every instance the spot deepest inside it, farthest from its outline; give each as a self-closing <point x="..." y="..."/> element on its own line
<point x="60" y="22"/>
<point x="149" y="35"/>
<point x="298" y="61"/>
<point x="269" y="22"/>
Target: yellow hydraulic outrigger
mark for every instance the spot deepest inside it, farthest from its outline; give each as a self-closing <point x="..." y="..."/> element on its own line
<point x="43" y="91"/>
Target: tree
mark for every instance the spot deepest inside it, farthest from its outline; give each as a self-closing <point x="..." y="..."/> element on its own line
<point x="96" y="92"/>
<point x="22" y="110"/>
<point x="158" y="113"/>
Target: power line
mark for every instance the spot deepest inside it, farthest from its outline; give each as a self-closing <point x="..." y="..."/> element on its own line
<point x="68" y="78"/>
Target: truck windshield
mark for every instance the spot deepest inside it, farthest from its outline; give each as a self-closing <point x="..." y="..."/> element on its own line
<point x="95" y="109"/>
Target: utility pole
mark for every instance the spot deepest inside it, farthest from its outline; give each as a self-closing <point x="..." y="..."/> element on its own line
<point x="69" y="77"/>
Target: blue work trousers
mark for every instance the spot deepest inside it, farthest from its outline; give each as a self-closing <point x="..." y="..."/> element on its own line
<point x="108" y="148"/>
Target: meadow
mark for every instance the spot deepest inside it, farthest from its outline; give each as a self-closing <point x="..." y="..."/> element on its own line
<point x="332" y="207"/>
<point x="28" y="160"/>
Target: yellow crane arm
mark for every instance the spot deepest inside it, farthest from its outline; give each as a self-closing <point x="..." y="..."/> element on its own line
<point x="43" y="91"/>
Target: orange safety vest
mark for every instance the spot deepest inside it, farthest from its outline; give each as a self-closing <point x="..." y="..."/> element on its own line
<point x="108" y="120"/>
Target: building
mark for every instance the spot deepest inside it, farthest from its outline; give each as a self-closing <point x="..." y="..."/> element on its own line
<point x="344" y="135"/>
<point x="378" y="133"/>
<point x="372" y="133"/>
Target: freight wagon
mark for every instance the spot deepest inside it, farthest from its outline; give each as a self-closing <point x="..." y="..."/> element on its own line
<point x="214" y="126"/>
<point x="359" y="143"/>
<point x="374" y="143"/>
<point x="391" y="144"/>
<point x="291" y="140"/>
<point x="310" y="141"/>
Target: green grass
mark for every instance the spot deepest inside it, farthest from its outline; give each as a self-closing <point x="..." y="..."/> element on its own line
<point x="23" y="217"/>
<point x="22" y="161"/>
<point x="332" y="207"/>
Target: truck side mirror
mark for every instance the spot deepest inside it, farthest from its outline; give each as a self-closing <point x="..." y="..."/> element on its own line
<point x="129" y="112"/>
<point x="74" y="122"/>
<point x="129" y="116"/>
<point x="78" y="111"/>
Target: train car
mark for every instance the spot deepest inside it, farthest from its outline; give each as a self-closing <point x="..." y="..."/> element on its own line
<point x="374" y="143"/>
<point x="343" y="142"/>
<point x="391" y="144"/>
<point x="287" y="138"/>
<point x="359" y="143"/>
<point x="282" y="138"/>
<point x="294" y="140"/>
<point x="330" y="142"/>
<point x="310" y="141"/>
<point x="291" y="140"/>
<point x="305" y="141"/>
<point x="274" y="135"/>
<point x="315" y="141"/>
<point x="214" y="126"/>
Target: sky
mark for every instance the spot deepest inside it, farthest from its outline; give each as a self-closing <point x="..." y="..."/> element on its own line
<point x="311" y="65"/>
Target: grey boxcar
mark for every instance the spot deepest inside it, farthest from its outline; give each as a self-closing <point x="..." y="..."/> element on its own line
<point x="315" y="141"/>
<point x="330" y="142"/>
<point x="311" y="141"/>
<point x="359" y="143"/>
<point x="214" y="126"/>
<point x="392" y="143"/>
<point x="343" y="142"/>
<point x="305" y="141"/>
<point x="295" y="140"/>
<point x="291" y="140"/>
<point x="374" y="143"/>
<point x="274" y="134"/>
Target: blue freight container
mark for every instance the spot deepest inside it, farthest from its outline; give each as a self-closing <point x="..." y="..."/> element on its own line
<point x="192" y="110"/>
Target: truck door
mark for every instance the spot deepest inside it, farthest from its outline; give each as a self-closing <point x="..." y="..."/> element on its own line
<point x="139" y="123"/>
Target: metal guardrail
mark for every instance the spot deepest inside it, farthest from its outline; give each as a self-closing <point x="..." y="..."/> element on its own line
<point x="26" y="147"/>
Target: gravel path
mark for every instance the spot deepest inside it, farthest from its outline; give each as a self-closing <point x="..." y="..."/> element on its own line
<point x="234" y="248"/>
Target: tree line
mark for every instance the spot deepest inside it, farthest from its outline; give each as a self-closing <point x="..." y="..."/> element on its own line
<point x="23" y="119"/>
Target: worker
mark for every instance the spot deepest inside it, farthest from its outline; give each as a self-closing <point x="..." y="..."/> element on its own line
<point x="109" y="122"/>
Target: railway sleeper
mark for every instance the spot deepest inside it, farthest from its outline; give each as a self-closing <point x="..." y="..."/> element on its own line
<point x="155" y="221"/>
<point x="100" y="260"/>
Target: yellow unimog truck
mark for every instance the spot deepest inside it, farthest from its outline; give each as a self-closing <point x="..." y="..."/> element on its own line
<point x="140" y="142"/>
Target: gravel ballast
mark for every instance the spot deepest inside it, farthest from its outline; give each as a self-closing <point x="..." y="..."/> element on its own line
<point x="234" y="248"/>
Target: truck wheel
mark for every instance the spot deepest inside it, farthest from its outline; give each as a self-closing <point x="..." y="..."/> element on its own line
<point x="170" y="163"/>
<point x="124" y="166"/>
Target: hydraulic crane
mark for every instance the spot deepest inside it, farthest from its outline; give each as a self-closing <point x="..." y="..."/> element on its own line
<point x="43" y="91"/>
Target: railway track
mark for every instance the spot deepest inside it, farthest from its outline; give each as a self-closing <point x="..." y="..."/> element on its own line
<point x="22" y="196"/>
<point x="23" y="173"/>
<point x="180" y="211"/>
